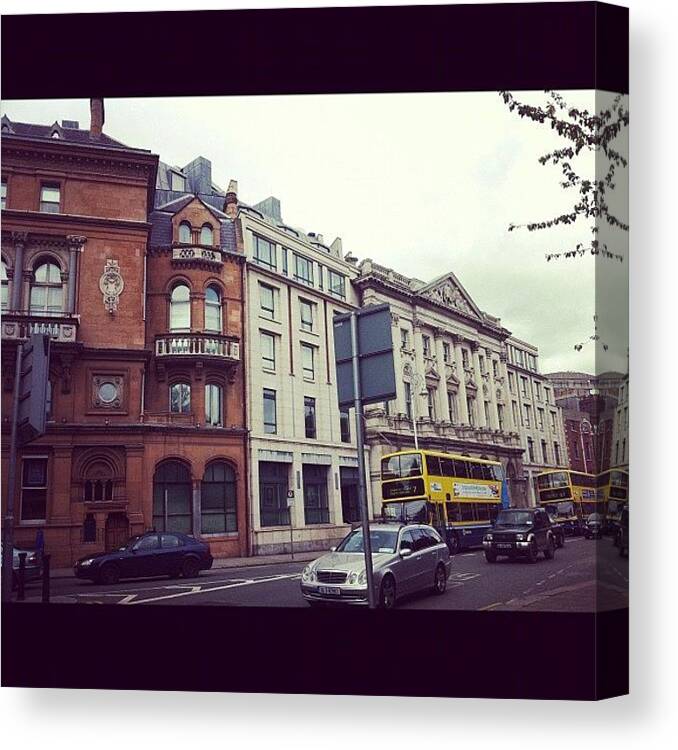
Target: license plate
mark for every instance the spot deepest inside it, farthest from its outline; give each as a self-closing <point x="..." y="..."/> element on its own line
<point x="329" y="590"/>
<point x="504" y="546"/>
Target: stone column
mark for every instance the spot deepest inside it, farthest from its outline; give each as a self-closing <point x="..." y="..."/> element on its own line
<point x="461" y="376"/>
<point x="480" y="398"/>
<point x="494" y="417"/>
<point x="59" y="510"/>
<point x="139" y="498"/>
<point x="443" y="406"/>
<point x="419" y="384"/>
<point x="508" y="409"/>
<point x="20" y="239"/>
<point x="397" y="366"/>
<point x="75" y="246"/>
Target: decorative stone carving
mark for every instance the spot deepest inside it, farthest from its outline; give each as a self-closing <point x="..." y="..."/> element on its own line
<point x="19" y="238"/>
<point x="76" y="241"/>
<point x="451" y="296"/>
<point x="111" y="285"/>
<point x="395" y="319"/>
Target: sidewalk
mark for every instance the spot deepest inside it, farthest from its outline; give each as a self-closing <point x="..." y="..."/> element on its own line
<point x="228" y="562"/>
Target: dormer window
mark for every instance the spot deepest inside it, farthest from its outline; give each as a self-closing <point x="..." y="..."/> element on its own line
<point x="185" y="232"/>
<point x="55" y="134"/>
<point x="206" y="235"/>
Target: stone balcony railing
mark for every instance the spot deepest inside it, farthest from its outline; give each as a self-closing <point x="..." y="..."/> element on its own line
<point x="377" y="421"/>
<point x="19" y="325"/>
<point x="168" y="418"/>
<point x="225" y="348"/>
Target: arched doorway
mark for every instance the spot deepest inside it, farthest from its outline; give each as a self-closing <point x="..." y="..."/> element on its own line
<point x="173" y="498"/>
<point x="116" y="530"/>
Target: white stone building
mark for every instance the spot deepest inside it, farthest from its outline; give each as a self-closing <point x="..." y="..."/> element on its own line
<point x="301" y="447"/>
<point x="620" y="428"/>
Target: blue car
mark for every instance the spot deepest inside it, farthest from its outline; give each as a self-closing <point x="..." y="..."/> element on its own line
<point x="151" y="554"/>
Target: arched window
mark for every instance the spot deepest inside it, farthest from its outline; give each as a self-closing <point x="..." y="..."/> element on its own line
<point x="180" y="308"/>
<point x="185" y="232"/>
<point x="206" y="235"/>
<point x="218" y="513"/>
<point x="99" y="482"/>
<point x="46" y="290"/>
<point x="212" y="309"/>
<point x="180" y="398"/>
<point x="214" y="404"/>
<point x="5" y="286"/>
<point x="172" y="498"/>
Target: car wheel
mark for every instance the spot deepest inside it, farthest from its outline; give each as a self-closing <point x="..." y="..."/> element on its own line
<point x="315" y="605"/>
<point x="550" y="550"/>
<point x="561" y="542"/>
<point x="190" y="567"/>
<point x="109" y="574"/>
<point x="387" y="593"/>
<point x="453" y="544"/>
<point x="532" y="553"/>
<point x="490" y="556"/>
<point x="440" y="580"/>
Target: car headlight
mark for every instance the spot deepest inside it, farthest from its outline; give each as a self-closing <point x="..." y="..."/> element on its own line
<point x="83" y="563"/>
<point x="530" y="537"/>
<point x="308" y="574"/>
<point x="352" y="578"/>
<point x="520" y="537"/>
<point x="488" y="537"/>
<point x="362" y="578"/>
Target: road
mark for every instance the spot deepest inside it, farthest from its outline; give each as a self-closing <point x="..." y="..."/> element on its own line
<point x="567" y="583"/>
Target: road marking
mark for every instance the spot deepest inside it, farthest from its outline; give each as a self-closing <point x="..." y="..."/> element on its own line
<point x="201" y="590"/>
<point x="469" y="554"/>
<point x="553" y="575"/>
<point x="491" y="606"/>
<point x="127" y="599"/>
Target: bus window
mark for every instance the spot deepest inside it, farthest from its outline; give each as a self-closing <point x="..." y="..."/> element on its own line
<point x="467" y="511"/>
<point x="475" y="471"/>
<point x="460" y="468"/>
<point x="497" y="473"/>
<point x="453" y="512"/>
<point x="482" y="511"/>
<point x="447" y="467"/>
<point x="402" y="465"/>
<point x="433" y="465"/>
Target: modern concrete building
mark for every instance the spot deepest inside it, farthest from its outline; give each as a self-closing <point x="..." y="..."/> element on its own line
<point x="303" y="460"/>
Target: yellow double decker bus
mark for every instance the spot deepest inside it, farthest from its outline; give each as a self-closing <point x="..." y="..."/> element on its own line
<point x="570" y="496"/>
<point x="613" y="495"/>
<point x="458" y="495"/>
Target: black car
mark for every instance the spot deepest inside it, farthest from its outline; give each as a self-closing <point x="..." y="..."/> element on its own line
<point x="150" y="554"/>
<point x="520" y="532"/>
<point x="594" y="526"/>
<point x="623" y="534"/>
<point x="558" y="531"/>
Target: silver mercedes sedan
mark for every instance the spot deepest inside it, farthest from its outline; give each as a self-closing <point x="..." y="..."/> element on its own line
<point x="405" y="559"/>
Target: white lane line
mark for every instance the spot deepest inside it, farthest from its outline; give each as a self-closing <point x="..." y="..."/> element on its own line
<point x="553" y="575"/>
<point x="127" y="599"/>
<point x="469" y="554"/>
<point x="200" y="590"/>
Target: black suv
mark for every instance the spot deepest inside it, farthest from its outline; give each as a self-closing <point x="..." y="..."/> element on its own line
<point x="520" y="532"/>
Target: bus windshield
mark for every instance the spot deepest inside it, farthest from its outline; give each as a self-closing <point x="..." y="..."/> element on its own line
<point x="553" y="480"/>
<point x="402" y="465"/>
<point x="412" y="510"/>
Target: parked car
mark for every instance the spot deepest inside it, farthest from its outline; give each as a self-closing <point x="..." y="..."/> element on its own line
<point x="32" y="565"/>
<point x="558" y="531"/>
<point x="150" y="554"/>
<point x="520" y="532"/>
<point x="594" y="526"/>
<point x="405" y="559"/>
<point x="623" y="534"/>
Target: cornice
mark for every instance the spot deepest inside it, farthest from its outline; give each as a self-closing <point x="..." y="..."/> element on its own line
<point x="38" y="217"/>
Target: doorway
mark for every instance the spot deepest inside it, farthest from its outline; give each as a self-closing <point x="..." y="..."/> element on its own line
<point x="116" y="531"/>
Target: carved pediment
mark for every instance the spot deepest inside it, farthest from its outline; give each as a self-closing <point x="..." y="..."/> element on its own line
<point x="449" y="292"/>
<point x="432" y="374"/>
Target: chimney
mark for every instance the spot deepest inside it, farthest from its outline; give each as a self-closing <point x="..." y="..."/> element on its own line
<point x="231" y="202"/>
<point x="337" y="248"/>
<point x="97" y="117"/>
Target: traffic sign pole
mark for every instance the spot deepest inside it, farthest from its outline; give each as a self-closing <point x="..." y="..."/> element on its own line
<point x="360" y="439"/>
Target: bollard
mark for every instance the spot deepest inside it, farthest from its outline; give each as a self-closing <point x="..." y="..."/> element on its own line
<point x="45" y="579"/>
<point x="21" y="578"/>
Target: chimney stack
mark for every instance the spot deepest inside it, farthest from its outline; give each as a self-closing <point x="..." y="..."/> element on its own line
<point x="231" y="202"/>
<point x="97" y="117"/>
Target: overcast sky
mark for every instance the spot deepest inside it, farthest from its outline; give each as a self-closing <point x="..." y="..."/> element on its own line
<point x="422" y="183"/>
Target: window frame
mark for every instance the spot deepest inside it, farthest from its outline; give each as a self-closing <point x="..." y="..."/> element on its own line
<point x="209" y="404"/>
<point x="304" y="324"/>
<point x="47" y="286"/>
<point x="263" y="311"/>
<point x="267" y="363"/>
<point x="42" y="488"/>
<point x="332" y="277"/>
<point x="174" y="305"/>
<point x="210" y="305"/>
<point x="310" y="418"/>
<point x="301" y="260"/>
<point x="48" y="185"/>
<point x="272" y="261"/>
<point x="181" y="384"/>
<point x="308" y="350"/>
<point x="271" y="396"/>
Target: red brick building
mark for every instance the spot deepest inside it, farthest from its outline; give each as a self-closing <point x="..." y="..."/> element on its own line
<point x="128" y="446"/>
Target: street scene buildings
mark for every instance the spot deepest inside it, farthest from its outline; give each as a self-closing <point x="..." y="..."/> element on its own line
<point x="192" y="378"/>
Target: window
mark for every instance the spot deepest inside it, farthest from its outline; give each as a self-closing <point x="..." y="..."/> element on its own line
<point x="206" y="235"/>
<point x="308" y="361"/>
<point x="487" y="413"/>
<point x="306" y="314"/>
<point x="185" y="232"/>
<point x="4" y="298"/>
<point x="514" y="407"/>
<point x="426" y="341"/>
<point x="214" y="402"/>
<point x="170" y="541"/>
<point x="544" y="451"/>
<point x="523" y="386"/>
<point x="547" y="395"/>
<point x="530" y="449"/>
<point x="404" y="338"/>
<point x="470" y="405"/>
<point x="273" y="481"/>
<point x="447" y="353"/>
<point x="3" y="193"/>
<point x="464" y="358"/>
<point x="218" y="508"/>
<point x="624" y="449"/>
<point x="540" y="417"/>
<point x="34" y="489"/>
<point x="336" y="284"/>
<point x="46" y="294"/>
<point x="180" y="308"/>
<point x="316" y="508"/>
<point x="500" y="416"/>
<point x="575" y="449"/>
<point x="495" y="368"/>
<point x="264" y="253"/>
<point x="50" y="198"/>
<point x="173" y="498"/>
<point x="556" y="453"/>
<point x="212" y="309"/>
<point x="528" y="414"/>
<point x="148" y="542"/>
<point x="481" y="364"/>
<point x="616" y="452"/>
<point x="268" y="351"/>
<point x="345" y="426"/>
<point x="270" y="423"/>
<point x="267" y="301"/>
<point x="512" y="382"/>
<point x="553" y="421"/>
<point x="431" y="402"/>
<point x="303" y="270"/>
<point x="180" y="398"/>
<point x="452" y="406"/>
<point x="408" y="400"/>
<point x="99" y="489"/>
<point x="538" y="387"/>
<point x="309" y="416"/>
